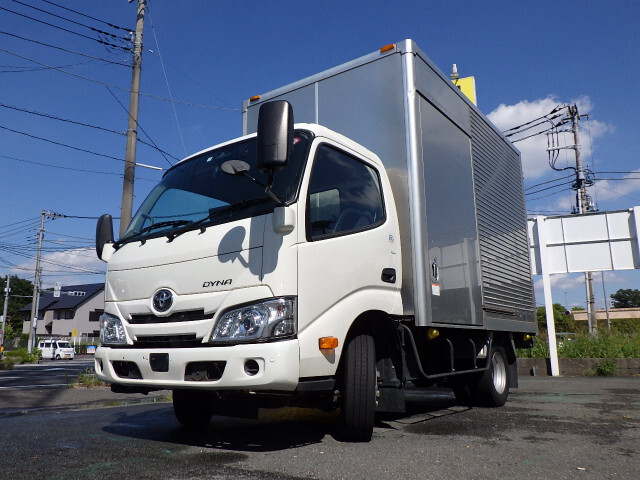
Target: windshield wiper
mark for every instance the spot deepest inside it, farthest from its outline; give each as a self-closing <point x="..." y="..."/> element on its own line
<point x="154" y="226"/>
<point x="213" y="214"/>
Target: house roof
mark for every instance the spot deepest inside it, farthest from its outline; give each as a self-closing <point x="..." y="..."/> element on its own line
<point x="71" y="296"/>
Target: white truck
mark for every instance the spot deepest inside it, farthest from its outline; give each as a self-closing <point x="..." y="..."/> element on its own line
<point x="377" y="244"/>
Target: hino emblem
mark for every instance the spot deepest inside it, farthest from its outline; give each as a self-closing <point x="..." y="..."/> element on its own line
<point x="162" y="300"/>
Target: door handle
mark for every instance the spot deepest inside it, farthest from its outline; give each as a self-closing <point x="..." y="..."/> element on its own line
<point x="389" y="275"/>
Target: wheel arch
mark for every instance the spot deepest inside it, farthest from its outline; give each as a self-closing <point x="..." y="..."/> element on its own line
<point x="381" y="327"/>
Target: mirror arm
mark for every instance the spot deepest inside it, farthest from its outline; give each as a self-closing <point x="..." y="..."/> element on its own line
<point x="267" y="187"/>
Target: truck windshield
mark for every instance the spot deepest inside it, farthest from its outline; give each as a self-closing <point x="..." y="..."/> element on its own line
<point x="197" y="191"/>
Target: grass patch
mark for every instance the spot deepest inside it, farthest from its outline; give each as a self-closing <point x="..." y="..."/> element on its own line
<point x="88" y="379"/>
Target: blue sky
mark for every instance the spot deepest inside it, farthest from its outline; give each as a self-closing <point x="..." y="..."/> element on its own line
<point x="527" y="58"/>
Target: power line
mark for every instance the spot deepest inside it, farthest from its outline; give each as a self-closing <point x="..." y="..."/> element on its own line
<point x="126" y="49"/>
<point x="18" y="223"/>
<point x="66" y="120"/>
<point x="162" y="152"/>
<point x="64" y="49"/>
<point x="17" y="69"/>
<point x="549" y="181"/>
<point x="70" y="168"/>
<point x="115" y="86"/>
<point x="61" y="144"/>
<point x="88" y="16"/>
<point x="101" y="32"/>
<point x="166" y="80"/>
<point x="556" y="109"/>
<point x="549" y="188"/>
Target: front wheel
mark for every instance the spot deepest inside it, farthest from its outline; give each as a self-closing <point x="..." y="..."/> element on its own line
<point x="192" y="408"/>
<point x="359" y="389"/>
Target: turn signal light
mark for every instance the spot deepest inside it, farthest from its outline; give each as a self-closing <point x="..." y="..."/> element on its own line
<point x="254" y="98"/>
<point x="328" y="343"/>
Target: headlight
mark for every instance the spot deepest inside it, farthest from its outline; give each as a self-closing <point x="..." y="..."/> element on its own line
<point x="270" y="319"/>
<point x="111" y="330"/>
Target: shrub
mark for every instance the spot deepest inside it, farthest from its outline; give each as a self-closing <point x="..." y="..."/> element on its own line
<point x="606" y="368"/>
<point x="7" y="363"/>
<point x="21" y="355"/>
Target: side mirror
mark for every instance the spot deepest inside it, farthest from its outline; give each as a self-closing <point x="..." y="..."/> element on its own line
<point x="275" y="135"/>
<point x="104" y="233"/>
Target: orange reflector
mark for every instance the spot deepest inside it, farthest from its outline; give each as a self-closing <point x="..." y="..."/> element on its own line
<point x="327" y="343"/>
<point x="386" y="48"/>
<point x="254" y="98"/>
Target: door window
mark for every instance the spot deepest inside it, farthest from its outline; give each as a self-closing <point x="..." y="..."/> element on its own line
<point x="344" y="195"/>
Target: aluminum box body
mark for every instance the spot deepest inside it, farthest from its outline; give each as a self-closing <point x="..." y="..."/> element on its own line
<point x="456" y="180"/>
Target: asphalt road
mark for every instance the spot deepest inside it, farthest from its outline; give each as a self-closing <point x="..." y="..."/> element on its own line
<point x="45" y="374"/>
<point x="551" y="428"/>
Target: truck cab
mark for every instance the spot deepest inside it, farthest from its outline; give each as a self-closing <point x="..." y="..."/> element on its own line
<point x="253" y="279"/>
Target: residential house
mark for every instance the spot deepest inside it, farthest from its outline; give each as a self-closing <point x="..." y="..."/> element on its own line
<point x="77" y="308"/>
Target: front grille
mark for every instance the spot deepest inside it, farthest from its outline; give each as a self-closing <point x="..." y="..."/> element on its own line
<point x="168" y="341"/>
<point x="187" y="316"/>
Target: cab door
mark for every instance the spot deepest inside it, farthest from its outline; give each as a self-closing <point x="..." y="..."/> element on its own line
<point x="348" y="251"/>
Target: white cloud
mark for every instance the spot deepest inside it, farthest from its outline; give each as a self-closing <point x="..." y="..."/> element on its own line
<point x="534" y="150"/>
<point x="69" y="267"/>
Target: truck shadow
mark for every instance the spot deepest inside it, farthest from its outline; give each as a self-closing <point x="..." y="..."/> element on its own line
<point x="279" y="429"/>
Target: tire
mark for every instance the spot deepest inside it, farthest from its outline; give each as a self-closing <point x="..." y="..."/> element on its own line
<point x="192" y="408"/>
<point x="493" y="385"/>
<point x="358" y="390"/>
<point x="57" y="357"/>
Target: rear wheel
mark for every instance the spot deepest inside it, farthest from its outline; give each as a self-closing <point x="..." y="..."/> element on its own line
<point x="192" y="408"/>
<point x="487" y="389"/>
<point x="359" y="389"/>
<point x="493" y="386"/>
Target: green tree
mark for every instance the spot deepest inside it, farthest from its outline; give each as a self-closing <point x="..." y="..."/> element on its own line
<point x="21" y="292"/>
<point x="626" y="298"/>
<point x="563" y="323"/>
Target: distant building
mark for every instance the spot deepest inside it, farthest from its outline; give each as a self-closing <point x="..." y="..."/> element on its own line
<point x="79" y="307"/>
<point x="614" y="313"/>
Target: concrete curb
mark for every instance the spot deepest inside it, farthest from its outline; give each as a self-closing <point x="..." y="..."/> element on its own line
<point x="625" y="367"/>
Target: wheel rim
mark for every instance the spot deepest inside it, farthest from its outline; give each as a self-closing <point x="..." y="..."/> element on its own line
<point x="499" y="372"/>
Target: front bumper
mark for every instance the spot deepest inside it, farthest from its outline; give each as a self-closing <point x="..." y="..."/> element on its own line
<point x="278" y="366"/>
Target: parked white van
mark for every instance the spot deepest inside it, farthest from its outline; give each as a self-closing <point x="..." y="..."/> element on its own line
<point x="56" y="349"/>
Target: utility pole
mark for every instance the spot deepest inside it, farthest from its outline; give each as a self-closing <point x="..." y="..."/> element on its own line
<point x="37" y="282"/>
<point x="132" y="130"/>
<point x="36" y="288"/>
<point x="4" y="313"/>
<point x="583" y="205"/>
